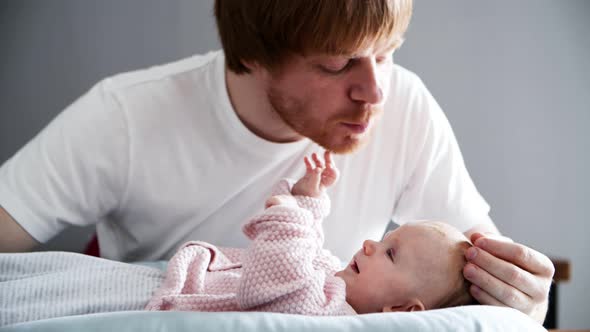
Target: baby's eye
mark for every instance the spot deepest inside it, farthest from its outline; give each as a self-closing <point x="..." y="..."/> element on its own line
<point x="390" y="254"/>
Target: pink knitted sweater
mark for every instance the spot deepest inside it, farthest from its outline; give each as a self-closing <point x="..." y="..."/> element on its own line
<point x="283" y="270"/>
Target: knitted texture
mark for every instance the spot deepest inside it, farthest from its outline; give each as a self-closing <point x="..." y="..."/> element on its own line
<point x="283" y="270"/>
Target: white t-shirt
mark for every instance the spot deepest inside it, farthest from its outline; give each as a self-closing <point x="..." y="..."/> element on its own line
<point x="159" y="157"/>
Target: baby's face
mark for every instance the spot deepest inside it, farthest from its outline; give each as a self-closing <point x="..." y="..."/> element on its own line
<point x="406" y="271"/>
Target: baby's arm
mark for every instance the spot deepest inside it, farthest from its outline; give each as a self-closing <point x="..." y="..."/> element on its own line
<point x="279" y="263"/>
<point x="319" y="175"/>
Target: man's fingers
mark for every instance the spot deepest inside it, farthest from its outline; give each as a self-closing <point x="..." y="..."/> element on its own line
<point x="518" y="254"/>
<point x="503" y="293"/>
<point x="478" y="235"/>
<point x="483" y="297"/>
<point x="508" y="273"/>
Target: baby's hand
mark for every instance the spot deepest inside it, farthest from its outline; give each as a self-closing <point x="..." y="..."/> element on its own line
<point x="317" y="176"/>
<point x="284" y="200"/>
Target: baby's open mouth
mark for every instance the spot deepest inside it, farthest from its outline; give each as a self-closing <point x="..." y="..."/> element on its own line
<point x="354" y="266"/>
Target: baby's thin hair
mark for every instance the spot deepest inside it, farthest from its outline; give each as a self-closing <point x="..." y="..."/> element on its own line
<point x="458" y="294"/>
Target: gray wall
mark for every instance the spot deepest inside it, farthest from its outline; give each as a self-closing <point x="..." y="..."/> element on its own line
<point x="512" y="76"/>
<point x="514" y="79"/>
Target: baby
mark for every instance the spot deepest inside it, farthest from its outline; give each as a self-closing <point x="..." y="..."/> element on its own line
<point x="285" y="269"/>
<point x="415" y="267"/>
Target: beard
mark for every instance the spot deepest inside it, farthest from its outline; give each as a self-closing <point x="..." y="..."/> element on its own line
<point x="329" y="133"/>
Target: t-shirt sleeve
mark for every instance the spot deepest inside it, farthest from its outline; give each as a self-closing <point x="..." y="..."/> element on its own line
<point x="73" y="172"/>
<point x="438" y="184"/>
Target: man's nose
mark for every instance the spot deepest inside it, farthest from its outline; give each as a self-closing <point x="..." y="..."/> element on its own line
<point x="366" y="87"/>
<point x="369" y="247"/>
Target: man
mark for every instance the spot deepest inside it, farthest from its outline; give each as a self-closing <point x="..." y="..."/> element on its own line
<point x="187" y="150"/>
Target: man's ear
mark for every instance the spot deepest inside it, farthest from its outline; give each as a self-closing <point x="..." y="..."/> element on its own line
<point x="251" y="65"/>
<point x="410" y="305"/>
<point x="255" y="67"/>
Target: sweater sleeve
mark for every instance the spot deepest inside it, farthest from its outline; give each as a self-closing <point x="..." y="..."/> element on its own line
<point x="280" y="271"/>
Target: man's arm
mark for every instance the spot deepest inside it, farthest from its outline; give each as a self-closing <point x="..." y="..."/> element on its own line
<point x="13" y="238"/>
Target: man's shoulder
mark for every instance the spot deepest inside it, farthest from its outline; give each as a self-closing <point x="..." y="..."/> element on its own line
<point x="407" y="94"/>
<point x="404" y="73"/>
<point x="409" y="107"/>
<point x="404" y="80"/>
<point x="161" y="73"/>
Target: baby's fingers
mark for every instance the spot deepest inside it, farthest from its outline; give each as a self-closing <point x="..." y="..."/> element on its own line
<point x="330" y="165"/>
<point x="328" y="159"/>
<point x="316" y="159"/>
<point x="272" y="201"/>
<point x="308" y="165"/>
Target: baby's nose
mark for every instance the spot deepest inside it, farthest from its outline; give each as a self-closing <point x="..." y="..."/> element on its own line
<point x="369" y="247"/>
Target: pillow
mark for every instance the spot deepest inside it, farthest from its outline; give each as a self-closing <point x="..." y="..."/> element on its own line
<point x="466" y="318"/>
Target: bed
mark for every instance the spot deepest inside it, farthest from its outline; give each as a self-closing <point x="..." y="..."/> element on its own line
<point x="466" y="318"/>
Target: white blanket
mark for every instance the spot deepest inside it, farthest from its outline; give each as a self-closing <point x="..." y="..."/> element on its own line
<point x="43" y="285"/>
<point x="35" y="286"/>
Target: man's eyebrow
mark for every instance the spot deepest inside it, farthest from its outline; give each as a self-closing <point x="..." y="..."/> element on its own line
<point x="390" y="47"/>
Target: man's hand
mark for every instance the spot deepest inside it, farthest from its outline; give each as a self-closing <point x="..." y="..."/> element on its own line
<point x="317" y="176"/>
<point x="509" y="274"/>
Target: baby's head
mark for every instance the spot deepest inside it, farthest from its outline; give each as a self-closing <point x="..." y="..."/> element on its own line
<point x="416" y="267"/>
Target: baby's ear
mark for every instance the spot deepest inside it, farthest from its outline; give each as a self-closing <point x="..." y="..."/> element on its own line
<point x="410" y="305"/>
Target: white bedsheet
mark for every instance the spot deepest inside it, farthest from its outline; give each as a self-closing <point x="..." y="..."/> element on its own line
<point x="468" y="318"/>
<point x="43" y="285"/>
<point x="137" y="282"/>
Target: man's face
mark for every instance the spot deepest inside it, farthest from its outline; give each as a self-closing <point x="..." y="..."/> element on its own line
<point x="333" y="100"/>
<point x="406" y="265"/>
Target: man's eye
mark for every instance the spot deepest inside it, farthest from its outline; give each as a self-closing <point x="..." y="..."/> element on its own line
<point x="390" y="254"/>
<point x="331" y="69"/>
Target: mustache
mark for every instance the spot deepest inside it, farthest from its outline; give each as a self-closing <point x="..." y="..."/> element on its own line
<point x="360" y="114"/>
